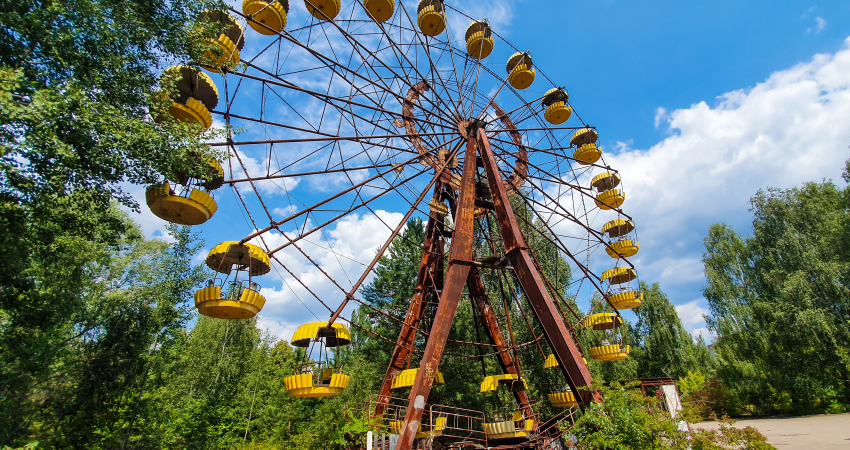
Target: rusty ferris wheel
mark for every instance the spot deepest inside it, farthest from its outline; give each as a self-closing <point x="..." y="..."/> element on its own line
<point x="384" y="105"/>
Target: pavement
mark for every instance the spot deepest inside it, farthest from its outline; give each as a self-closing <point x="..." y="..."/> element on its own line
<point x="823" y="432"/>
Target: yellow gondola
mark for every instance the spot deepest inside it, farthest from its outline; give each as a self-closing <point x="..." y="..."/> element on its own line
<point x="316" y="378"/>
<point x="195" y="208"/>
<point x="605" y="181"/>
<point x="611" y="352"/>
<point x="230" y="41"/>
<point x="492" y="382"/>
<point x="557" y="110"/>
<point x="242" y="298"/>
<point x="619" y="275"/>
<point x="563" y="399"/>
<point x="405" y="378"/>
<point x="196" y="96"/>
<point x="623" y="248"/>
<point x="242" y="301"/>
<point x="329" y="384"/>
<point x="626" y="299"/>
<point x="584" y="136"/>
<point x="438" y="207"/>
<point x="437" y="430"/>
<point x="618" y="227"/>
<point x="334" y="336"/>
<point x="520" y="70"/>
<point x="516" y="427"/>
<point x="431" y="17"/>
<point x="552" y="363"/>
<point x="267" y="17"/>
<point x="602" y="321"/>
<point x="610" y="199"/>
<point x="560" y="399"/>
<point x="323" y="9"/>
<point x="479" y="40"/>
<point x="379" y="10"/>
<point x="587" y="154"/>
<point x="244" y="256"/>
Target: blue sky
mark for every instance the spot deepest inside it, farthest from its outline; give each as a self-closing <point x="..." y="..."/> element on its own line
<point x="697" y="105"/>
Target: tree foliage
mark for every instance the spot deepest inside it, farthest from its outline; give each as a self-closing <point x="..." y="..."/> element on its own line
<point x="667" y="348"/>
<point x="780" y="302"/>
<point x="627" y="419"/>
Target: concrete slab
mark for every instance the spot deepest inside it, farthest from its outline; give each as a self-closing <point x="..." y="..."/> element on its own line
<point x="824" y="432"/>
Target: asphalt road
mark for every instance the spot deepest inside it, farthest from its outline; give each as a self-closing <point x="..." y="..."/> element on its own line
<point x="823" y="432"/>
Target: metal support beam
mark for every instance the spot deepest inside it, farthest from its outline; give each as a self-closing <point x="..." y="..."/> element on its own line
<point x="480" y="300"/>
<point x="460" y="259"/>
<point x="557" y="333"/>
<point x="406" y="337"/>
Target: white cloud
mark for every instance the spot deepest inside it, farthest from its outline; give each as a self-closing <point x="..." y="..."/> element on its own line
<point x="201" y="256"/>
<point x="286" y="211"/>
<point x="256" y="168"/>
<point x="691" y="313"/>
<point x="787" y="130"/>
<point x="660" y="114"/>
<point x="499" y="13"/>
<point x="706" y="334"/>
<point x="820" y="24"/>
<point x="343" y="252"/>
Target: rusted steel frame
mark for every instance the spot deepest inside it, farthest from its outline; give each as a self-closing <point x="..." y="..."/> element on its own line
<point x="333" y="138"/>
<point x="487" y="355"/>
<point x="387" y="244"/>
<point x="553" y="289"/>
<point x="460" y="253"/>
<point x="341" y="215"/>
<point x="478" y="295"/>
<point x="349" y="211"/>
<point x="517" y="300"/>
<point x="395" y="47"/>
<point x="427" y="49"/>
<point x="547" y="152"/>
<point x="303" y="174"/>
<point x="329" y="199"/>
<point x="560" y="245"/>
<point x="327" y="97"/>
<point x="331" y="62"/>
<point x="355" y="43"/>
<point x="557" y="334"/>
<point x="569" y="215"/>
<point x="266" y="122"/>
<point x="524" y="105"/>
<point x="415" y="310"/>
<point x="525" y="319"/>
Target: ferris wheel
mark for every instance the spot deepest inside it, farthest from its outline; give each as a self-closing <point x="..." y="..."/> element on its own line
<point x="362" y="106"/>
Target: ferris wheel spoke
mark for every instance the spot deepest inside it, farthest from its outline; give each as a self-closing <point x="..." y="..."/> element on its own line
<point x="394" y="46"/>
<point x="551" y="200"/>
<point x="319" y="95"/>
<point x="346" y="212"/>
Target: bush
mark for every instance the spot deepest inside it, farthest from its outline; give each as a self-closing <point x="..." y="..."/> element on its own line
<point x="627" y="419"/>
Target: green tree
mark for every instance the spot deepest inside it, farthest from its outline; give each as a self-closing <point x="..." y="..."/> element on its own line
<point x="667" y="349"/>
<point x="128" y="299"/>
<point x="77" y="107"/>
<point x="780" y="302"/>
<point x="627" y="419"/>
